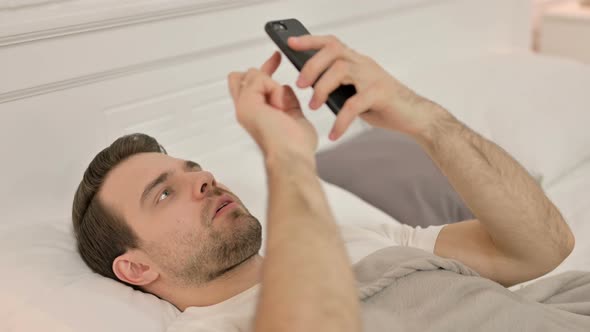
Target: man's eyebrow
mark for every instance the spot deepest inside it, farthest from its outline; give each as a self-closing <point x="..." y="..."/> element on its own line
<point x="154" y="183"/>
<point x="189" y="165"/>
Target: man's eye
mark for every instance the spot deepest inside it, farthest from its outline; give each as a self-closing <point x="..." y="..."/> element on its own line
<point x="164" y="194"/>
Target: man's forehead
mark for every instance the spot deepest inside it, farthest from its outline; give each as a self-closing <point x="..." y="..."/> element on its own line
<point x="144" y="164"/>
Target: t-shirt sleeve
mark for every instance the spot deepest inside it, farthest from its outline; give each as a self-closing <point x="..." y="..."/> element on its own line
<point x="405" y="235"/>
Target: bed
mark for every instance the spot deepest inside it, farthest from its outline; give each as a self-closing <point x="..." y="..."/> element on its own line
<point x="76" y="77"/>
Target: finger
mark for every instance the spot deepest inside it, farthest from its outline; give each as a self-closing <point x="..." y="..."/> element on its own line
<point x="256" y="82"/>
<point x="335" y="76"/>
<point x="354" y="106"/>
<point x="284" y="98"/>
<point x="277" y="98"/>
<point x="319" y="63"/>
<point x="290" y="100"/>
<point x="249" y="78"/>
<point x="271" y="65"/>
<point x="234" y="80"/>
<point x="293" y="108"/>
<point x="310" y="42"/>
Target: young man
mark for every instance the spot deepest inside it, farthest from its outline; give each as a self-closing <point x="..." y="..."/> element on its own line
<point x="167" y="227"/>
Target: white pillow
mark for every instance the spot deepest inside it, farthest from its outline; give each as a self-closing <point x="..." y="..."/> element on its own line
<point x="535" y="107"/>
<point x="47" y="287"/>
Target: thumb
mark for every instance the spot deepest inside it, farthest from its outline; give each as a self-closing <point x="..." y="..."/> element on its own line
<point x="291" y="103"/>
<point x="284" y="98"/>
<point x="290" y="98"/>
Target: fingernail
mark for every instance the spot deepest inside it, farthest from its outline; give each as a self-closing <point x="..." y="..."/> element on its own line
<point x="332" y="136"/>
<point x="301" y="82"/>
<point x="312" y="103"/>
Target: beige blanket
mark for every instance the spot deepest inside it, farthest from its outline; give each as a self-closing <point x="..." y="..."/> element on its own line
<point x="408" y="289"/>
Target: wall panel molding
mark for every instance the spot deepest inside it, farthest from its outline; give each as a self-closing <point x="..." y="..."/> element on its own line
<point x="56" y="64"/>
<point x="32" y="23"/>
<point x="123" y="71"/>
<point x="226" y="42"/>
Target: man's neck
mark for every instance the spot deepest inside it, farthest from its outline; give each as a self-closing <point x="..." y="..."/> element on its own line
<point x="232" y="283"/>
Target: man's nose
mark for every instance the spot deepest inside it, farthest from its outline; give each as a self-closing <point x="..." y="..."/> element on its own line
<point x="204" y="182"/>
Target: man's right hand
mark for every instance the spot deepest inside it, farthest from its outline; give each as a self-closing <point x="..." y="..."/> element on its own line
<point x="321" y="294"/>
<point x="271" y="113"/>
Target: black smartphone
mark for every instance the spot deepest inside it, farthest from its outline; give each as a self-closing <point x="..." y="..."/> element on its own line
<point x="279" y="31"/>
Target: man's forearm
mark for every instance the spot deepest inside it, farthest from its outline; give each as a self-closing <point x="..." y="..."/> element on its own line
<point x="521" y="220"/>
<point x="307" y="281"/>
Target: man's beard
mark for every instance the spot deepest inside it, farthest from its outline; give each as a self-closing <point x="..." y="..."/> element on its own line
<point x="225" y="252"/>
<point x="205" y="257"/>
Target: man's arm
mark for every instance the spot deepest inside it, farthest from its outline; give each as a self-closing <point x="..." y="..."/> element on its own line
<point x="307" y="280"/>
<point x="518" y="234"/>
<point x="306" y="262"/>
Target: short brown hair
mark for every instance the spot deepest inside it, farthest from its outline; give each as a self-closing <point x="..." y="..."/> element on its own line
<point x="101" y="234"/>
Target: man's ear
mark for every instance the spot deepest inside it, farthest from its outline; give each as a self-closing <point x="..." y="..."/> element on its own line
<point x="134" y="268"/>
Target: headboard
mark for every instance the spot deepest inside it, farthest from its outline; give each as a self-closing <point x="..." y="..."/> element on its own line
<point x="74" y="76"/>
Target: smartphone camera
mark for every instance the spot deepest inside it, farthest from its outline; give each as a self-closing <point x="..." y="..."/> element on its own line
<point x="277" y="26"/>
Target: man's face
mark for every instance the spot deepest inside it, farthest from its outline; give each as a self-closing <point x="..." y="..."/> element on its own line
<point x="173" y="207"/>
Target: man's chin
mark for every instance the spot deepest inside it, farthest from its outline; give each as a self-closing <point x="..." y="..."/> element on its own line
<point x="237" y="244"/>
<point x="242" y="262"/>
<point x="234" y="267"/>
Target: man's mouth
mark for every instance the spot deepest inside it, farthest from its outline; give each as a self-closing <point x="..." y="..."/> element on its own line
<point x="224" y="203"/>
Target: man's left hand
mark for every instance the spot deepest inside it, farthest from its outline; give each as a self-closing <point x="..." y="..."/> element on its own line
<point x="381" y="100"/>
